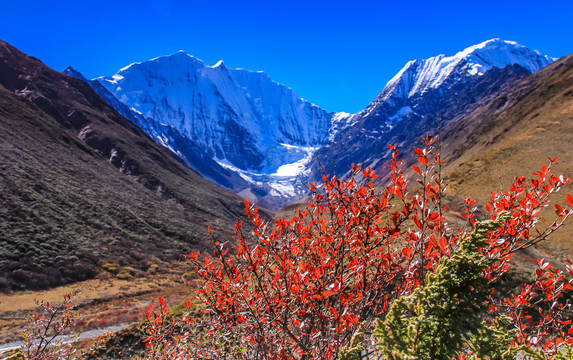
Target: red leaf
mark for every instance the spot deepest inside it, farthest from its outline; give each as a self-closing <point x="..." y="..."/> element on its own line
<point x="443" y="244"/>
<point x="326" y="294"/>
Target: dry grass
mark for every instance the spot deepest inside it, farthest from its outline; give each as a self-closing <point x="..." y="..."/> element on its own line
<point x="534" y="122"/>
<point x="102" y="302"/>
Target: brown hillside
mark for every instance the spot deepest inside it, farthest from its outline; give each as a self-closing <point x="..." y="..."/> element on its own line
<point x="513" y="135"/>
<point x="82" y="187"/>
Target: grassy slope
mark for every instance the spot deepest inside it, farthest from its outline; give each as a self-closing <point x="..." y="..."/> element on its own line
<point x="513" y="135"/>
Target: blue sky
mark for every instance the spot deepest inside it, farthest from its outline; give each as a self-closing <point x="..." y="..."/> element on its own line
<point x="336" y="54"/>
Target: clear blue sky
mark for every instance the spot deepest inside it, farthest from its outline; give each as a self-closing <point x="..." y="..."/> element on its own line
<point x="336" y="54"/>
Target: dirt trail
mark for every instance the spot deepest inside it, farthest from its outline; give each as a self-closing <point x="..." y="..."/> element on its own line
<point x="89" y="334"/>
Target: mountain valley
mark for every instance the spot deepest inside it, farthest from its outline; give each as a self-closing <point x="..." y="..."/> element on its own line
<point x="106" y="181"/>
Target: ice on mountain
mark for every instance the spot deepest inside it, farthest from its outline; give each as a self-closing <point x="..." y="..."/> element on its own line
<point x="419" y="76"/>
<point x="400" y="114"/>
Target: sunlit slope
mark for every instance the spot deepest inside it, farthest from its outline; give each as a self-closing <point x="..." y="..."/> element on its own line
<point x="513" y="135"/>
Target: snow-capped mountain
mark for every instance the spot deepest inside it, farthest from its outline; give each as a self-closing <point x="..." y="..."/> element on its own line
<point x="249" y="124"/>
<point x="248" y="133"/>
<point x="419" y="76"/>
<point x="239" y="117"/>
<point x="444" y="86"/>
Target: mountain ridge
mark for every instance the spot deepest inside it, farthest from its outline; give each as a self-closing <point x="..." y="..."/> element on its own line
<point x="230" y="116"/>
<point x="414" y="102"/>
<point x="512" y="135"/>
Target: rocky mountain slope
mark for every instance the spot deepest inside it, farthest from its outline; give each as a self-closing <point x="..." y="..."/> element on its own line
<point x="81" y="186"/>
<point x="444" y="87"/>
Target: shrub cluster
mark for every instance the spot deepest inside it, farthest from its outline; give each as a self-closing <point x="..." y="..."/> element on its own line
<point x="363" y="273"/>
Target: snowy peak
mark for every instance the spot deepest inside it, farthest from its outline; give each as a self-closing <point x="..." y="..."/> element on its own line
<point x="219" y="64"/>
<point x="419" y="76"/>
<point x="426" y="95"/>
<point x="231" y="112"/>
<point x="250" y="125"/>
<point x="168" y="66"/>
<point x="175" y="59"/>
<point x="501" y="53"/>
